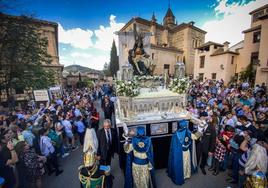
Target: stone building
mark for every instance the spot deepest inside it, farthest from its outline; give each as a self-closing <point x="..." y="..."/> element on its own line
<point x="168" y="43"/>
<point x="218" y="61"/>
<point x="50" y="31"/>
<point x="70" y="79"/>
<point x="255" y="48"/>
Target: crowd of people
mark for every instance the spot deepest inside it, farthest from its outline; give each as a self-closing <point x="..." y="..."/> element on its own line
<point x="236" y="133"/>
<point x="35" y="138"/>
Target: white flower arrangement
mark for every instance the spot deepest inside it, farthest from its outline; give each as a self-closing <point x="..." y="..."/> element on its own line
<point x="179" y="85"/>
<point x="127" y="88"/>
<point x="144" y="78"/>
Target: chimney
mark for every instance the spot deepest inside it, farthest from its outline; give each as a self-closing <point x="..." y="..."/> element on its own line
<point x="226" y="46"/>
<point x="191" y="23"/>
<point x="211" y="48"/>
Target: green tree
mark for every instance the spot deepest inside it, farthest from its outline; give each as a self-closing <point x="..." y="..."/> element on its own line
<point x="23" y="51"/>
<point x="114" y="60"/>
<point x="106" y="69"/>
<point x="249" y="74"/>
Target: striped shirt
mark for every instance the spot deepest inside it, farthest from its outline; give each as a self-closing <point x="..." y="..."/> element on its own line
<point x="244" y="158"/>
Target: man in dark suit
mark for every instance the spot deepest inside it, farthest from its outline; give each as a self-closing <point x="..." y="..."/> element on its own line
<point x="107" y="143"/>
<point x="205" y="146"/>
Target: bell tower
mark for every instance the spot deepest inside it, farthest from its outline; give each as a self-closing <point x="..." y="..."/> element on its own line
<point x="153" y="30"/>
<point x="169" y="19"/>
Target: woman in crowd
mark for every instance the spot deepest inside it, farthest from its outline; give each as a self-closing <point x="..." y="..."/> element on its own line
<point x="32" y="164"/>
<point x="48" y="150"/>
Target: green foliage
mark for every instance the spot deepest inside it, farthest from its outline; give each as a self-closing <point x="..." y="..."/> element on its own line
<point x="249" y="74"/>
<point x="114" y="61"/>
<point x="89" y="83"/>
<point x="106" y="70"/>
<point x="232" y="80"/>
<point x="81" y="84"/>
<point x="23" y="51"/>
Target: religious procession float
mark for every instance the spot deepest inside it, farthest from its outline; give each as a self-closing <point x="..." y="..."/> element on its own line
<point x="151" y="119"/>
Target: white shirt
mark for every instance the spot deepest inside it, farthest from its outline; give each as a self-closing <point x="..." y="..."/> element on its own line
<point x="67" y="126"/>
<point x="110" y="134"/>
<point x="46" y="146"/>
<point x="77" y="112"/>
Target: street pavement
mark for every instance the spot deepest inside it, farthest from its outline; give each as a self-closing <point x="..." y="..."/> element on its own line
<point x="70" y="164"/>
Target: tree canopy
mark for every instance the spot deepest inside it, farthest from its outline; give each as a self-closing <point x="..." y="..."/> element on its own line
<point x="114" y="60"/>
<point x="248" y="74"/>
<point x="23" y="51"/>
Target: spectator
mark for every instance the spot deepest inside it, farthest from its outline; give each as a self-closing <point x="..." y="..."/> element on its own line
<point x="31" y="165"/>
<point x="108" y="108"/>
<point x="8" y="158"/>
<point x="68" y="128"/>
<point x="80" y="129"/>
<point x="48" y="150"/>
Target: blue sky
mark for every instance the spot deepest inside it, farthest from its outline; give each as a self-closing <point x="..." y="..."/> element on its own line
<point x="86" y="27"/>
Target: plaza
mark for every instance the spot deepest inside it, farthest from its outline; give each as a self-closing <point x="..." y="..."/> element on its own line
<point x="161" y="95"/>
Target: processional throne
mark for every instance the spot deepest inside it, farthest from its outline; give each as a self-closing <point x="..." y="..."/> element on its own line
<point x="158" y="110"/>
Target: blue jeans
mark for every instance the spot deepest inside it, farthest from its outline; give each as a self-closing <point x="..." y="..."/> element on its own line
<point x="235" y="166"/>
<point x="61" y="150"/>
<point x="224" y="163"/>
<point x="241" y="180"/>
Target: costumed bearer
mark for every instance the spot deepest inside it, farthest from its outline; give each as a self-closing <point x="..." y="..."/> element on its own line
<point x="91" y="175"/>
<point x="139" y="164"/>
<point x="182" y="154"/>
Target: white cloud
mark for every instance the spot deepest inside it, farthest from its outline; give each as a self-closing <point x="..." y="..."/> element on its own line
<point x="105" y="35"/>
<point x="94" y="55"/>
<point x="84" y="59"/>
<point x="79" y="54"/>
<point x="231" y="20"/>
<point x="76" y="37"/>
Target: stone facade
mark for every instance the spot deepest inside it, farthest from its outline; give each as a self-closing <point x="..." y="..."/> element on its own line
<point x="70" y="79"/>
<point x="227" y="62"/>
<point x="255" y="45"/>
<point x="215" y="61"/>
<point x="169" y="43"/>
<point x="50" y="31"/>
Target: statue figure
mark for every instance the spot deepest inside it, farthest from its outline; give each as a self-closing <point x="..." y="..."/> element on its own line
<point x="179" y="70"/>
<point x="138" y="58"/>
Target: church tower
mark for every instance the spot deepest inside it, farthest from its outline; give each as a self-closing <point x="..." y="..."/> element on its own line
<point x="153" y="30"/>
<point x="169" y="19"/>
